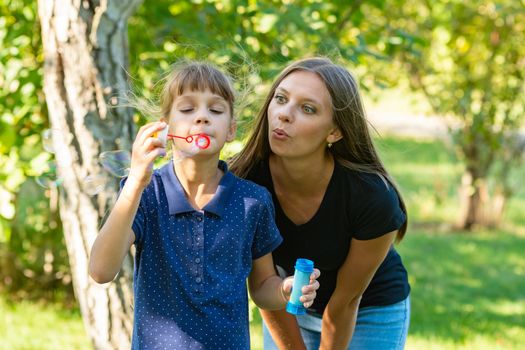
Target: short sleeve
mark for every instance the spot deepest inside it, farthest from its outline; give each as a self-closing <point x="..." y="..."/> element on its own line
<point x="139" y="219"/>
<point x="267" y="236"/>
<point x="379" y="211"/>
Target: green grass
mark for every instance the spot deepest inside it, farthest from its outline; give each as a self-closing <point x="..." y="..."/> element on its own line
<point x="29" y="325"/>
<point x="467" y="288"/>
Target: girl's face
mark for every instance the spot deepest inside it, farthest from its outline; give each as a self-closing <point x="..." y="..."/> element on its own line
<point x="196" y="112"/>
<point x="300" y="116"/>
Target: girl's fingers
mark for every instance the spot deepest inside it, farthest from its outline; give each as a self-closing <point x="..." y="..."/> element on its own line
<point x="152" y="143"/>
<point x="148" y="132"/>
<point x="143" y="129"/>
<point x="157" y="152"/>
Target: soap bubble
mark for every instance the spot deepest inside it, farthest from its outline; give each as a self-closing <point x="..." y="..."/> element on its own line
<point x="47" y="139"/>
<point x="94" y="184"/>
<point x="49" y="178"/>
<point x="117" y="163"/>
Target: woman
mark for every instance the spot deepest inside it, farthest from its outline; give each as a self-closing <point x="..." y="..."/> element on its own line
<point x="336" y="205"/>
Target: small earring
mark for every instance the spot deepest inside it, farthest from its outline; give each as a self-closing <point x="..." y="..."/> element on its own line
<point x="329" y="145"/>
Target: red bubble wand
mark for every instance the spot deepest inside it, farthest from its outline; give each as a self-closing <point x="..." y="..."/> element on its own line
<point x="201" y="140"/>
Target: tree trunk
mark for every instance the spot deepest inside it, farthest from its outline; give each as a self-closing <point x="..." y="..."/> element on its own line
<point x="85" y="56"/>
<point x="478" y="207"/>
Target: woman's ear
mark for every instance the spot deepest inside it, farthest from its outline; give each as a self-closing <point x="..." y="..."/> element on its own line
<point x="334" y="136"/>
<point x="232" y="130"/>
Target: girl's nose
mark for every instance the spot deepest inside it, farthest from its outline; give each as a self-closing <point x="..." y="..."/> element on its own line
<point x="202" y="118"/>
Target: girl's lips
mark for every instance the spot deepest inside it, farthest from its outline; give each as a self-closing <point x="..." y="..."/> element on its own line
<point x="280" y="134"/>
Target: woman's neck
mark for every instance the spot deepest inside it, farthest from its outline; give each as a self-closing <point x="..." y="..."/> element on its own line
<point x="300" y="174"/>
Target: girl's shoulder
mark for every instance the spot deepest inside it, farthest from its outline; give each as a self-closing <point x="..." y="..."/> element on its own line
<point x="251" y="189"/>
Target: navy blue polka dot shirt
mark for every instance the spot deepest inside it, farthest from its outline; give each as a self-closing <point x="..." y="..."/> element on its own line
<point x="191" y="265"/>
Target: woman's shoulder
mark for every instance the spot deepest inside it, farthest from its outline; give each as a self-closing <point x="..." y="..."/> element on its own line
<point x="364" y="183"/>
<point x="368" y="189"/>
<point x="374" y="207"/>
<point x="259" y="172"/>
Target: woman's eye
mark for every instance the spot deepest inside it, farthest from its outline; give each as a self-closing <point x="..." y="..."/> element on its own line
<point x="280" y="98"/>
<point x="309" y="109"/>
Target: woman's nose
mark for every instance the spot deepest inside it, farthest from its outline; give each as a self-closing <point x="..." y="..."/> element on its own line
<point x="284" y="114"/>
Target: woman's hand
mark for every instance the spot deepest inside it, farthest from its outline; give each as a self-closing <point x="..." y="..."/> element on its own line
<point x="309" y="291"/>
<point x="144" y="152"/>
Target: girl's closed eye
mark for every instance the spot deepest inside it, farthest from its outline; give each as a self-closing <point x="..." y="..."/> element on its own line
<point x="217" y="109"/>
<point x="185" y="109"/>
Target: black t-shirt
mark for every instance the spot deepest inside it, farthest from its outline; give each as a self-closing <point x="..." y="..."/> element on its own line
<point x="356" y="205"/>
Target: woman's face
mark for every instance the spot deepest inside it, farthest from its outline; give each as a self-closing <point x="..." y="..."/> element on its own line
<point x="300" y="116"/>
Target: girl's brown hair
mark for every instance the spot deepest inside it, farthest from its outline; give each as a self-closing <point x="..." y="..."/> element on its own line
<point x="355" y="150"/>
<point x="195" y="76"/>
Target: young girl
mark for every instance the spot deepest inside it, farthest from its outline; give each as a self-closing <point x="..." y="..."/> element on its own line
<point x="199" y="231"/>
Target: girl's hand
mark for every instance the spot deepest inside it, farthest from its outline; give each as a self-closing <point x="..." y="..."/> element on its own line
<point x="144" y="152"/>
<point x="309" y="291"/>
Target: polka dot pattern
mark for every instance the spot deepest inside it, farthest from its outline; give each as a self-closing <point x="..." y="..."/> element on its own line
<point x="191" y="266"/>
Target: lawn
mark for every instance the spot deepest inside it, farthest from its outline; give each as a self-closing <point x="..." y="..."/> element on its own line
<point x="467" y="289"/>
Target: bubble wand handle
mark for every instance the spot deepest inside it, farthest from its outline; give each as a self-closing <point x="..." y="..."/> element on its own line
<point x="303" y="270"/>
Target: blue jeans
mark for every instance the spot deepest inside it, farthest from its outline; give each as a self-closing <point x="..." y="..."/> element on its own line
<point x="377" y="328"/>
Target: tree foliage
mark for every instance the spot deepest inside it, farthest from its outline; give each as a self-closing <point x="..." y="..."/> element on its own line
<point x="32" y="250"/>
<point x="469" y="60"/>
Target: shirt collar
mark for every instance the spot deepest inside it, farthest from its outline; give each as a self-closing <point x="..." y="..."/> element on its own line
<point x="176" y="196"/>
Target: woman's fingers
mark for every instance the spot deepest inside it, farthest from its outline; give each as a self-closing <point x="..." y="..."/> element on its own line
<point x="310" y="291"/>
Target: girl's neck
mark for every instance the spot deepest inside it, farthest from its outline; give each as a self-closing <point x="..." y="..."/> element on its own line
<point x="199" y="178"/>
<point x="300" y="174"/>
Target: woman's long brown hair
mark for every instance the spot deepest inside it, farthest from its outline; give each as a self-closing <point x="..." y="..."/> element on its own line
<point x="355" y="150"/>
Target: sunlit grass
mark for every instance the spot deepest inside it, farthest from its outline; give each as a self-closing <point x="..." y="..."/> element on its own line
<point x="29" y="325"/>
<point x="467" y="290"/>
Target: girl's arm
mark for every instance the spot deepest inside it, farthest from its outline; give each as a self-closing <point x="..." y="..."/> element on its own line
<point x="116" y="236"/>
<point x="353" y="277"/>
<point x="284" y="329"/>
<point x="270" y="292"/>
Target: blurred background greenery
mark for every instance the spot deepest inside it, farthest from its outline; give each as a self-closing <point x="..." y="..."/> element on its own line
<point x="462" y="62"/>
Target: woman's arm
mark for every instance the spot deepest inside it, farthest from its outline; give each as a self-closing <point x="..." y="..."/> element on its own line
<point x="353" y="277"/>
